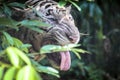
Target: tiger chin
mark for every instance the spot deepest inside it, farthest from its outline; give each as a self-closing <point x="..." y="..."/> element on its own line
<point x="62" y="32"/>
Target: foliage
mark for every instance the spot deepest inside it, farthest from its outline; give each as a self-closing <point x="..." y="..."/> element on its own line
<point x="82" y="71"/>
<point x="56" y="48"/>
<point x="97" y="21"/>
<point x="15" y="62"/>
<point x="63" y="3"/>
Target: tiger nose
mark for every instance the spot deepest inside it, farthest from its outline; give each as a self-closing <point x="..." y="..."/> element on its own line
<point x="74" y="39"/>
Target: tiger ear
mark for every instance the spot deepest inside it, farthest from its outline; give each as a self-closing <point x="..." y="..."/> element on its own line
<point x="68" y="8"/>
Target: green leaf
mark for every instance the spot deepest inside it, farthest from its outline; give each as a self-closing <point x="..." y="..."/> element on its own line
<point x="7" y="10"/>
<point x="10" y="74"/>
<point x="17" y="42"/>
<point x="15" y="55"/>
<point x="35" y="28"/>
<point x="1" y="72"/>
<point x="62" y="3"/>
<point x="14" y="59"/>
<point x="25" y="47"/>
<point x="48" y="70"/>
<point x="16" y="4"/>
<point x="8" y="38"/>
<point x="20" y="45"/>
<point x="79" y="9"/>
<point x="49" y="48"/>
<point x="28" y="73"/>
<point x="77" y="54"/>
<point x="79" y="50"/>
<point x="33" y="23"/>
<point x="21" y="55"/>
<point x="4" y="65"/>
<point x="56" y="48"/>
<point x="4" y="43"/>
<point x="8" y="22"/>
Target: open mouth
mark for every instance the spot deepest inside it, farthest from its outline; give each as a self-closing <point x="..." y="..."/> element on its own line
<point x="65" y="60"/>
<point x="61" y="60"/>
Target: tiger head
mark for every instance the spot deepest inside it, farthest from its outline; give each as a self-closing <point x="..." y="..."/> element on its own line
<point x="64" y="29"/>
<point x="62" y="32"/>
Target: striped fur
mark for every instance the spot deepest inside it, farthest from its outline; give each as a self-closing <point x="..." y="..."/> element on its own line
<point x="63" y="27"/>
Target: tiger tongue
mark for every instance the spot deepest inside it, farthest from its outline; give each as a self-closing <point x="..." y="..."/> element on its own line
<point x="65" y="60"/>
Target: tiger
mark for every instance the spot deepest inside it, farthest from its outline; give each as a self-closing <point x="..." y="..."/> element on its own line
<point x="63" y="30"/>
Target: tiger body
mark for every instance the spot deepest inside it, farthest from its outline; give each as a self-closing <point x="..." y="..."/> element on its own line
<point x="62" y="31"/>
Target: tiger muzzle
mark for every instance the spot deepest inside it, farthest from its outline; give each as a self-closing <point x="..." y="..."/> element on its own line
<point x="64" y="34"/>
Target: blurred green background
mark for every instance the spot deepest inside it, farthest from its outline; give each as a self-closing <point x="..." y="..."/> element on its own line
<point x="99" y="25"/>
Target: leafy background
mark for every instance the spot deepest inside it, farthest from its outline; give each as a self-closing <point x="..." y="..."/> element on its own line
<point x="98" y="22"/>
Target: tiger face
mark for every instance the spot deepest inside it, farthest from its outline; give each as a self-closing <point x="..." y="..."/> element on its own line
<point x="62" y="32"/>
